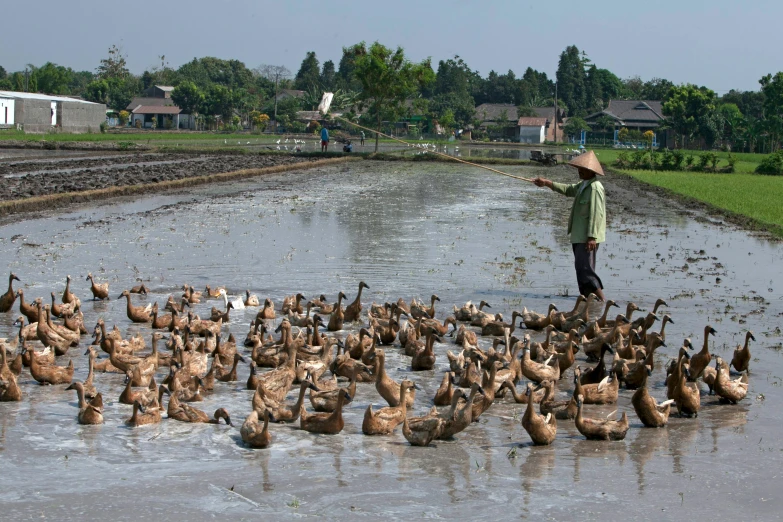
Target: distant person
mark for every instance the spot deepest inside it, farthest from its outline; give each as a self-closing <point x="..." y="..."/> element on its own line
<point x="324" y="139"/>
<point x="587" y="222"/>
<point x="361" y="140"/>
<point x="348" y="147"/>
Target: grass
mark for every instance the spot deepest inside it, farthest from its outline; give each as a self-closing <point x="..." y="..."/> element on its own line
<point x="746" y="162"/>
<point x="755" y="197"/>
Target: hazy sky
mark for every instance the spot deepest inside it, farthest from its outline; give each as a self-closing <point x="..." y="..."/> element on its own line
<point x="722" y="44"/>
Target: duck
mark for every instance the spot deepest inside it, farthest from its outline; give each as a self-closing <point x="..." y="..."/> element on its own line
<point x="593" y="347"/>
<point x="144" y="415"/>
<point x="75" y="322"/>
<point x="562" y="410"/>
<point x="137" y="314"/>
<point x="481" y="319"/>
<point x="278" y="381"/>
<point x="537" y="395"/>
<point x="9" y="297"/>
<point x="419" y="311"/>
<point x="604" y="392"/>
<point x="465" y="312"/>
<point x="89" y="388"/>
<point x="420" y="431"/>
<point x="537" y="372"/>
<point x="58" y="310"/>
<point x="741" y="357"/>
<point x="282" y="413"/>
<point x="214" y="293"/>
<point x="230" y="375"/>
<point x="165" y="321"/>
<point x="302" y="321"/>
<point x="489" y="387"/>
<point x="343" y="366"/>
<point x="325" y="423"/>
<point x="460" y="417"/>
<point x="567" y="359"/>
<point x="561" y="317"/>
<point x="50" y="374"/>
<point x="172" y="306"/>
<point x="686" y="395"/>
<point x="594" y="328"/>
<point x="387" y="387"/>
<point x="637" y="372"/>
<point x="630" y="308"/>
<point x="701" y="359"/>
<point x="255" y="434"/>
<point x="598" y="372"/>
<point x="600" y="429"/>
<point x="140" y="289"/>
<point x="384" y="420"/>
<point x="90" y="410"/>
<point x="187" y="413"/>
<point x="328" y="400"/>
<point x="673" y="369"/>
<point x="337" y="316"/>
<point x="267" y="312"/>
<point x="145" y="397"/>
<point x="191" y="294"/>
<point x="29" y="310"/>
<point x="542" y="429"/>
<point x="100" y="291"/>
<point x="48" y="336"/>
<point x="464" y="335"/>
<point x="251" y="299"/>
<point x="354" y="310"/>
<point x="68" y="297"/>
<point x="216" y="315"/>
<point x="499" y="328"/>
<point x="536" y="321"/>
<point x="652" y="414"/>
<point x="64" y="332"/>
<point x="293" y="303"/>
<point x="641" y="321"/>
<point x="424" y="359"/>
<point x="731" y="391"/>
<point x="445" y="391"/>
<point x="9" y="389"/>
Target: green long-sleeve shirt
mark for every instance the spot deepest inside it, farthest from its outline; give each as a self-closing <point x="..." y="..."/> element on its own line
<point x="588" y="213"/>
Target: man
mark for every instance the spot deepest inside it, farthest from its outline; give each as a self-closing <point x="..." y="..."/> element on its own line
<point x="324" y="139"/>
<point x="361" y="142"/>
<point x="587" y="222"/>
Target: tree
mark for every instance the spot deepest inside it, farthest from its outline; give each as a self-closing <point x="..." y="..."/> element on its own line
<point x="188" y="97"/>
<point x="346" y="79"/>
<point x="387" y="79"/>
<point x="575" y="125"/>
<point x="308" y="74"/>
<point x="571" y="81"/>
<point x="53" y="79"/>
<point x="772" y="88"/>
<point x="605" y="123"/>
<point x="688" y="109"/>
<point x="328" y="76"/>
<point x="114" y="66"/>
<point x="656" y="89"/>
<point x="526" y="111"/>
<point x="218" y="101"/>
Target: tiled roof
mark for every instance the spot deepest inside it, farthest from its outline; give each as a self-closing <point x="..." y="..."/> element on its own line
<point x="156" y="109"/>
<point x="147" y="101"/>
<point x="532" y="122"/>
<point x="633" y="111"/>
<point x="494" y="111"/>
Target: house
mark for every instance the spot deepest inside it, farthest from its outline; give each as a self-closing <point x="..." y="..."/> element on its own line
<point x="157" y="105"/>
<point x="507" y="115"/>
<point x="289" y="93"/>
<point x="39" y="113"/>
<point x="531" y="130"/>
<point x="640" y="115"/>
<point x="498" y="119"/>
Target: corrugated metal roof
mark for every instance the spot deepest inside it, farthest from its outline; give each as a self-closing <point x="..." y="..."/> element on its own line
<point x="45" y="97"/>
<point x="148" y="101"/>
<point x="165" y="88"/>
<point x="152" y="109"/>
<point x="531" y="122"/>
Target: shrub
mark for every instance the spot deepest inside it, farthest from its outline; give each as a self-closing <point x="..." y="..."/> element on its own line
<point x="168" y="123"/>
<point x="103" y="126"/>
<point x="689" y="159"/>
<point x="623" y="161"/>
<point x="137" y="124"/>
<point x="772" y="164"/>
<point x="124" y="117"/>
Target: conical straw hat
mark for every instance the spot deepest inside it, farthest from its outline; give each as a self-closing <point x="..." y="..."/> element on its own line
<point x="588" y="161"/>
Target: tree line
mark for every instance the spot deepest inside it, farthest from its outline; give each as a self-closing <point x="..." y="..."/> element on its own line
<point x="448" y="93"/>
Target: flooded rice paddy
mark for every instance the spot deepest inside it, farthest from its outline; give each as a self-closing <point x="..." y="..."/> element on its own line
<point x="408" y="230"/>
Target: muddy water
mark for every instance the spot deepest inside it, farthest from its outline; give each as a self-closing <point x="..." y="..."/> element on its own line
<point x="407" y="230"/>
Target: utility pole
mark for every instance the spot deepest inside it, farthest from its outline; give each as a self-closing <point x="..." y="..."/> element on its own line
<point x="277" y="76"/>
<point x="555" y="111"/>
<point x="26" y="79"/>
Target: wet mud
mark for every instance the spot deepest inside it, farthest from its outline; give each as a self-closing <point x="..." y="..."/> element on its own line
<point x="408" y="230"/>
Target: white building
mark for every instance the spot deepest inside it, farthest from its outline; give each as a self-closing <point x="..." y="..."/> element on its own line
<point x="34" y="113"/>
<point x="531" y="130"/>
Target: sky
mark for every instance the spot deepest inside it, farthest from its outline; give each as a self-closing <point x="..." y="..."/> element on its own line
<point x="721" y="44"/>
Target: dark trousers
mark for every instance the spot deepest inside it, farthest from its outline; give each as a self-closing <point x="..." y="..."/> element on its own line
<point x="584" y="262"/>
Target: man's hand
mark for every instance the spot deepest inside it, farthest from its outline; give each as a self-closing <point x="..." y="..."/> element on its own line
<point x="591" y="244"/>
<point x="542" y="182"/>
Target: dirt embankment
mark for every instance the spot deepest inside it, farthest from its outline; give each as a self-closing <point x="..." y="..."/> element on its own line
<point x="28" y="179"/>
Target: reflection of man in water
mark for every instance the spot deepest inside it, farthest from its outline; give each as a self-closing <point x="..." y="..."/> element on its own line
<point x="587" y="223"/>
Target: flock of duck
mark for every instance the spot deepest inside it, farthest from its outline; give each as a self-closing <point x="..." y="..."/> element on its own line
<point x="197" y="357"/>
